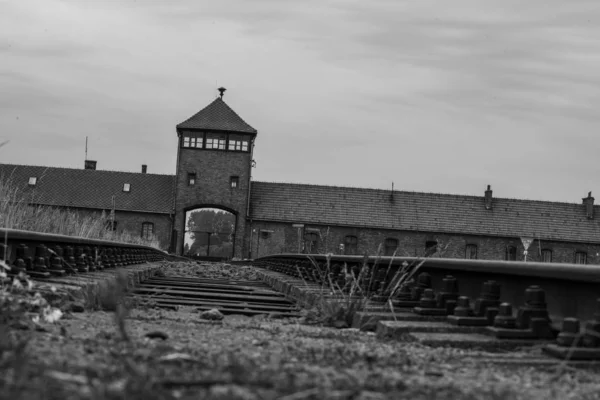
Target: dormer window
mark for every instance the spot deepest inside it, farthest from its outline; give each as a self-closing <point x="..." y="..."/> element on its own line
<point x="234" y="181"/>
<point x="32" y="181"/>
<point x="126" y="187"/>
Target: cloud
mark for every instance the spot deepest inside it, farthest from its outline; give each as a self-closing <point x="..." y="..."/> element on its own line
<point x="432" y="96"/>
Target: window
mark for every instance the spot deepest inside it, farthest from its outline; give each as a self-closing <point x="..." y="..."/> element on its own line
<point x="350" y="245"/>
<point x="390" y="246"/>
<point x="147" y="230"/>
<point x="471" y="252"/>
<point x="265" y="234"/>
<point x="192" y="140"/>
<point x="126" y="187"/>
<point x="546" y="255"/>
<point x="234" y="181"/>
<point x="310" y="242"/>
<point x="511" y="253"/>
<point x="238" y="143"/>
<point x="191" y="179"/>
<point x="32" y="181"/>
<point x="110" y="225"/>
<point x="581" y="257"/>
<point x="216" y="141"/>
<point x="430" y="247"/>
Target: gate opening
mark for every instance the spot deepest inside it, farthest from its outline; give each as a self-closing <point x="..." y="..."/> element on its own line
<point x="209" y="234"/>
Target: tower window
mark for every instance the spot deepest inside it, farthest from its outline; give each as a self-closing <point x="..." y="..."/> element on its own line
<point x="511" y="253"/>
<point x="191" y="179"/>
<point x="147" y="230"/>
<point x="32" y="181"/>
<point x="216" y="141"/>
<point x="126" y="187"/>
<point x="391" y="245"/>
<point x="471" y="252"/>
<point x="191" y="140"/>
<point x="234" y="181"/>
<point x="546" y="255"/>
<point x="238" y="143"/>
<point x="581" y="257"/>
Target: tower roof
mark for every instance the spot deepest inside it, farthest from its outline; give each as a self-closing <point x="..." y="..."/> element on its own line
<point x="217" y="116"/>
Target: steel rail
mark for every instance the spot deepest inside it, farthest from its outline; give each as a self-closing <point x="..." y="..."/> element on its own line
<point x="570" y="290"/>
<point x="41" y="255"/>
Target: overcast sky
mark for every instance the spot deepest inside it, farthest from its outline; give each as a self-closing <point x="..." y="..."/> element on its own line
<point x="435" y="96"/>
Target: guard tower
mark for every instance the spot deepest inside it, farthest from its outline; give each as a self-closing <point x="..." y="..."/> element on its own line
<point x="214" y="161"/>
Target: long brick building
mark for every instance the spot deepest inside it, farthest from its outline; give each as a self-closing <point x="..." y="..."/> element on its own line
<point x="214" y="165"/>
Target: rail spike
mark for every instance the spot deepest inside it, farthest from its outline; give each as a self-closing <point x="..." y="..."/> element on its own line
<point x="532" y="320"/>
<point x="575" y="344"/>
<point x="485" y="310"/>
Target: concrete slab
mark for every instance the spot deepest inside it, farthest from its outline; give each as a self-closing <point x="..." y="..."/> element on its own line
<point x="472" y="341"/>
<point x="367" y="320"/>
<point x="572" y="353"/>
<point x="87" y="287"/>
<point x="397" y="329"/>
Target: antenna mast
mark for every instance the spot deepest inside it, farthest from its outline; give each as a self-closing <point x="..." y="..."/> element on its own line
<point x="86" y="138"/>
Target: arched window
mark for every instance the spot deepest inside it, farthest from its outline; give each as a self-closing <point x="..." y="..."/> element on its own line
<point x="546" y="255"/>
<point x="511" y="253"/>
<point x="310" y="242"/>
<point x="391" y="245"/>
<point x="471" y="252"/>
<point x="147" y="230"/>
<point x="580" y="257"/>
<point x="350" y="245"/>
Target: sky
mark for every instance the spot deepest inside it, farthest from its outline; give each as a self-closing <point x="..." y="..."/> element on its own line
<point x="434" y="96"/>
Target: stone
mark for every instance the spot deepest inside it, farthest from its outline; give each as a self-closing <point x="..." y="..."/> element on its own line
<point x="77" y="307"/>
<point x="157" y="335"/>
<point x="212" y="314"/>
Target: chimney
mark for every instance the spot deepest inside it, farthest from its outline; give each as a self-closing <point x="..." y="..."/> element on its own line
<point x="588" y="202"/>
<point x="144" y="168"/>
<point x="89" y="164"/>
<point x="488" y="198"/>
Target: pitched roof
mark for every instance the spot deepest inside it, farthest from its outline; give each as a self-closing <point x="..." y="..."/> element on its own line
<point x="85" y="188"/>
<point x="217" y="116"/>
<point x="429" y="212"/>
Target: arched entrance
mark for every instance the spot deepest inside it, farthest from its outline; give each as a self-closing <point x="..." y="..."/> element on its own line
<point x="209" y="233"/>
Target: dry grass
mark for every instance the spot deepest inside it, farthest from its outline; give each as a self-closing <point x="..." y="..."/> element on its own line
<point x="17" y="213"/>
<point x="336" y="306"/>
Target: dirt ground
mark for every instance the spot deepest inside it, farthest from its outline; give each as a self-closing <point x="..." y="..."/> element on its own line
<point x="178" y="355"/>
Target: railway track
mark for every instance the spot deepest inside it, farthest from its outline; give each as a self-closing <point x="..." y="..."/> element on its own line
<point x="228" y="296"/>
<point x="462" y="303"/>
<point x="47" y="256"/>
<point x="453" y="302"/>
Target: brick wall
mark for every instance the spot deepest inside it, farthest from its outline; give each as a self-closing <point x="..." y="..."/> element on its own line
<point x="284" y="239"/>
<point x="131" y="222"/>
<point x="213" y="169"/>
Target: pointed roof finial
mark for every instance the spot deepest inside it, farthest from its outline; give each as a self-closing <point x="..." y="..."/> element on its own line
<point x="222" y="90"/>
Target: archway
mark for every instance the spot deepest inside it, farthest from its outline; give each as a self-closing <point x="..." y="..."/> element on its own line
<point x="209" y="233"/>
